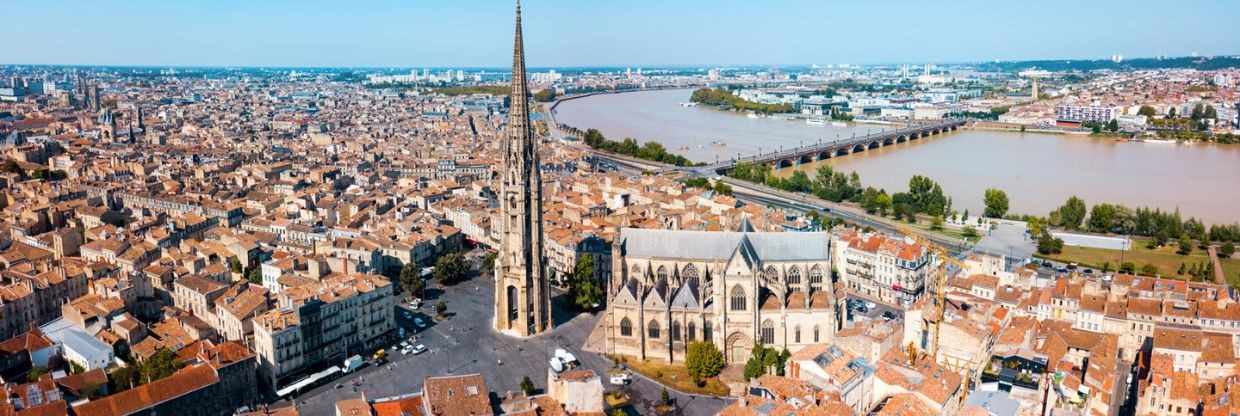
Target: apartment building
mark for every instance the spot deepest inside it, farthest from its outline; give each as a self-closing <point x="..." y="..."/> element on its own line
<point x="322" y="322"/>
<point x="882" y="268"/>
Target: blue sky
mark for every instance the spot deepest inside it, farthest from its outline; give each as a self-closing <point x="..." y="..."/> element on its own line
<point x="435" y="33"/>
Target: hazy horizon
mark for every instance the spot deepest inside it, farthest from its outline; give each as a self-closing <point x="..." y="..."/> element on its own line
<point x="562" y="33"/>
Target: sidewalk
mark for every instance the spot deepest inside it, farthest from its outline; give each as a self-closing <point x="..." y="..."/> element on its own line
<point x="1219" y="276"/>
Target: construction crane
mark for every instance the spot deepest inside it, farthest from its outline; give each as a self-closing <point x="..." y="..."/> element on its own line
<point x="940" y="293"/>
<point x="940" y="281"/>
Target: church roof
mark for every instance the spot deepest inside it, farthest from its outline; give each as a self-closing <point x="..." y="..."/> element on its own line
<point x="714" y="245"/>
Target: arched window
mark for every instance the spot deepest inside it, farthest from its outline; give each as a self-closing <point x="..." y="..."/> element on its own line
<point x="794" y="279"/>
<point x="707" y="333"/>
<point x="815" y="334"/>
<point x="662" y="273"/>
<point x="626" y="328"/>
<point x="675" y="331"/>
<point x="691" y="331"/>
<point x="652" y="329"/>
<point x="796" y="334"/>
<point x="768" y="332"/>
<point x="690" y="274"/>
<point x="815" y="276"/>
<point x="738" y="298"/>
<point x="770" y="275"/>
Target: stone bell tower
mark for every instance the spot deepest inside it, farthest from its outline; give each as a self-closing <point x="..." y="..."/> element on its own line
<point x="522" y="303"/>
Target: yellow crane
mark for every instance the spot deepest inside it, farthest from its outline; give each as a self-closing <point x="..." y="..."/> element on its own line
<point x="940" y="281"/>
<point x="940" y="292"/>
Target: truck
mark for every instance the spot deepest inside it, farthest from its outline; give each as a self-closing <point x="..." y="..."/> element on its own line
<point x="353" y="363"/>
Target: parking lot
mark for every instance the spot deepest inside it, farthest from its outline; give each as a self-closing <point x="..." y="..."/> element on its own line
<point x="465" y="343"/>
<point x="862" y="309"/>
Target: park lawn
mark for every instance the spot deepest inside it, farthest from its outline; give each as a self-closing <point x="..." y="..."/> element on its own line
<point x="677" y="376"/>
<point x="1165" y="258"/>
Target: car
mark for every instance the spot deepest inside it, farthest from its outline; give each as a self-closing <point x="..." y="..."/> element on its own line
<point x="870" y="305"/>
<point x="1071" y="266"/>
<point x="1089" y="271"/>
<point x="404" y="344"/>
<point x="621" y="379"/>
<point x="406" y="350"/>
<point x="418" y="349"/>
<point x="889" y="315"/>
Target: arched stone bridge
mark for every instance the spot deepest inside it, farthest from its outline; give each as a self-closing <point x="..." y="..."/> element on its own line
<point x="842" y="147"/>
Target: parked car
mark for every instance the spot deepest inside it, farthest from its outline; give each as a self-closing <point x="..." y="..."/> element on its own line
<point x="418" y="349"/>
<point x="621" y="379"/>
<point x="889" y="315"/>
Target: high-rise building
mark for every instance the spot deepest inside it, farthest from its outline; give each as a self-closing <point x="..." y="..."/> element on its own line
<point x="522" y="303"/>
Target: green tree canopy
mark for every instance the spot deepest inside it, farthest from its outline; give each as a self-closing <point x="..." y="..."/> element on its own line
<point x="450" y="268"/>
<point x="584" y="287"/>
<point x="704" y="360"/>
<point x="996" y="203"/>
<point x="1072" y="213"/>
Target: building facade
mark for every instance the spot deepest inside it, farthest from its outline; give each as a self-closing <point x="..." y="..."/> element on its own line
<point x="670" y="288"/>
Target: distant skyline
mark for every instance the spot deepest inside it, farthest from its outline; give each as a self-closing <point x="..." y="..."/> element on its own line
<point x="560" y="33"/>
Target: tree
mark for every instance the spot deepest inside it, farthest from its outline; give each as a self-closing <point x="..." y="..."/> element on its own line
<point x="996" y="203"/>
<point x="703" y="360"/>
<point x="1128" y="267"/>
<point x="235" y="265"/>
<point x="723" y="188"/>
<point x="255" y="275"/>
<point x="488" y="262"/>
<point x="1147" y="111"/>
<point x="936" y="223"/>
<point x="162" y="364"/>
<point x="1048" y="244"/>
<point x="1171" y="113"/>
<point x="75" y="368"/>
<point x="1072" y="213"/>
<point x="35" y="373"/>
<point x="1113" y="125"/>
<point x="544" y="96"/>
<point x="584" y="288"/>
<point x="1149" y="270"/>
<point x="527" y="386"/>
<point x="123" y="378"/>
<point x="969" y="232"/>
<point x="1227" y="250"/>
<point x="441" y="307"/>
<point x="664" y="397"/>
<point x="450" y="268"/>
<point x="1186" y="245"/>
<point x="410" y="280"/>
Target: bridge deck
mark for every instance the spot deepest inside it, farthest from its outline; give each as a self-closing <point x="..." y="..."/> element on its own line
<point x="841" y="147"/>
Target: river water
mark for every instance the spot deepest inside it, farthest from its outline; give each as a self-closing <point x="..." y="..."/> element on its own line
<point x="1038" y="171"/>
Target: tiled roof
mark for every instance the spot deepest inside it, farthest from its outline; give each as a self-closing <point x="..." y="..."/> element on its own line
<point x="186" y="380"/>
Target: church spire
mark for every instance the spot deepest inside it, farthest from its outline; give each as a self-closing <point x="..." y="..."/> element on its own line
<point x="522" y="303"/>
<point x="519" y="112"/>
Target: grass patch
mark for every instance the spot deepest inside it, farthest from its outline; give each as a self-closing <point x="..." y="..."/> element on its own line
<point x="1165" y="258"/>
<point x="677" y="377"/>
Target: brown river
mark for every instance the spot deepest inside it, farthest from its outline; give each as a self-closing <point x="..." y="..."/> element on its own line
<point x="1038" y="171"/>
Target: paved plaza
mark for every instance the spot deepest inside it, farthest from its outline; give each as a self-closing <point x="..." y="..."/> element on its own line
<point x="465" y="343"/>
